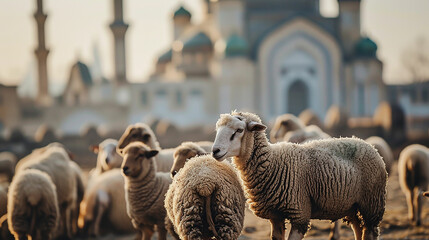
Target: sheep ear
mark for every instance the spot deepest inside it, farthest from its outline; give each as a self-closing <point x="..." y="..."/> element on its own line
<point x="255" y="126"/>
<point x="94" y="148"/>
<point x="151" y="153"/>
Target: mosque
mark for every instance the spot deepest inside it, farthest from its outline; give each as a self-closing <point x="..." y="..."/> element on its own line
<point x="266" y="56"/>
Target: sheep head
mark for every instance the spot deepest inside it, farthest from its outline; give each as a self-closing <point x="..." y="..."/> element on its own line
<point x="230" y="130"/>
<point x="284" y="124"/>
<point x="138" y="132"/>
<point x="107" y="155"/>
<point x="183" y="153"/>
<point x="138" y="160"/>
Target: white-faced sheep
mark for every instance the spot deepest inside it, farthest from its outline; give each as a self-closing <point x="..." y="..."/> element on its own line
<point x="383" y="149"/>
<point x="413" y="168"/>
<point x="55" y="162"/>
<point x="206" y="200"/>
<point x="184" y="152"/>
<point x="7" y="165"/>
<point x="323" y="179"/>
<point x="145" y="190"/>
<point x="107" y="158"/>
<point x="32" y="205"/>
<point x="104" y="205"/>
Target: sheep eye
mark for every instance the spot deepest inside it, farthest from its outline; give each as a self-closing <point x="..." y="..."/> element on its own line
<point x="146" y="137"/>
<point x="237" y="131"/>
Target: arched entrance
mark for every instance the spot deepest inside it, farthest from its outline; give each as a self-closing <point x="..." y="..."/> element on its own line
<point x="298" y="97"/>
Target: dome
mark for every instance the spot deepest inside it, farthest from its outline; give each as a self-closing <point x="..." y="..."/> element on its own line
<point x="182" y="12"/>
<point x="200" y="40"/>
<point x="236" y="46"/>
<point x="365" y="47"/>
<point x="165" y="57"/>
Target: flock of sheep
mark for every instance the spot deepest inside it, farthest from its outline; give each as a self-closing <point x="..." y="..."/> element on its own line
<point x="199" y="189"/>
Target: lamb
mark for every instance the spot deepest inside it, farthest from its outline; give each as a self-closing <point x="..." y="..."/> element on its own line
<point x="413" y="168"/>
<point x="107" y="158"/>
<point x="145" y="190"/>
<point x="323" y="179"/>
<point x="206" y="200"/>
<point x="54" y="160"/>
<point x="142" y="133"/>
<point x="289" y="128"/>
<point x="104" y="203"/>
<point x="32" y="205"/>
<point x="384" y="150"/>
<point x="185" y="151"/>
<point x="7" y="165"/>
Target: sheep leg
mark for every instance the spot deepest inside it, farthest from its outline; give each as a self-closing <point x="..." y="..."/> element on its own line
<point x="356" y="227"/>
<point x="147" y="232"/>
<point x="277" y="229"/>
<point x="417" y="203"/>
<point x="410" y="196"/>
<point x="103" y="202"/>
<point x="335" y="231"/>
<point x="21" y="236"/>
<point x="295" y="233"/>
<point x="162" y="233"/>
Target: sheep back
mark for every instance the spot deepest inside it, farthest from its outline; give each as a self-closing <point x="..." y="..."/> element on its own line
<point x="413" y="167"/>
<point x="32" y="193"/>
<point x="384" y="150"/>
<point x="203" y="177"/>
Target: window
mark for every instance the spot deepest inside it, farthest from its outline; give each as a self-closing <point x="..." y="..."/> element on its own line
<point x="179" y="98"/>
<point x="161" y="92"/>
<point x="195" y="92"/>
<point x="143" y="97"/>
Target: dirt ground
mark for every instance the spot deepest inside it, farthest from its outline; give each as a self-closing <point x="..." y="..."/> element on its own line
<point x="395" y="224"/>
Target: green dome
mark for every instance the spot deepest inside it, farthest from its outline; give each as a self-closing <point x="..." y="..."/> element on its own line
<point x="166" y="57"/>
<point x="200" y="40"/>
<point x="236" y="46"/>
<point x="182" y="12"/>
<point x="365" y="47"/>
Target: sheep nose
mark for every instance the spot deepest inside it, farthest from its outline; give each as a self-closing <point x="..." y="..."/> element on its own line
<point x="216" y="151"/>
<point x="107" y="160"/>
<point x="125" y="170"/>
<point x="173" y="173"/>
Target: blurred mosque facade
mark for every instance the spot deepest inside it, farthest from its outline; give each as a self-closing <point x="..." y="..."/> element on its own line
<point x="266" y="56"/>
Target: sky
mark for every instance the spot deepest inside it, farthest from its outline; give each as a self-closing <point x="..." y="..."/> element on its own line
<point x="75" y="28"/>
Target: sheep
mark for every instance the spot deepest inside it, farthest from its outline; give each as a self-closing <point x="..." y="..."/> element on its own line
<point x="413" y="168"/>
<point x="104" y="203"/>
<point x="323" y="179"/>
<point x="7" y="165"/>
<point x="145" y="189"/>
<point x="308" y="117"/>
<point x="142" y="133"/>
<point x="206" y="200"/>
<point x="289" y="128"/>
<point x="32" y="205"/>
<point x="185" y="151"/>
<point x="384" y="150"/>
<point x="107" y="158"/>
<point x="54" y="160"/>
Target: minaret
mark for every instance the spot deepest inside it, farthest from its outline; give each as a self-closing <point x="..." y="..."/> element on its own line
<point x="41" y="55"/>
<point x="119" y="28"/>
